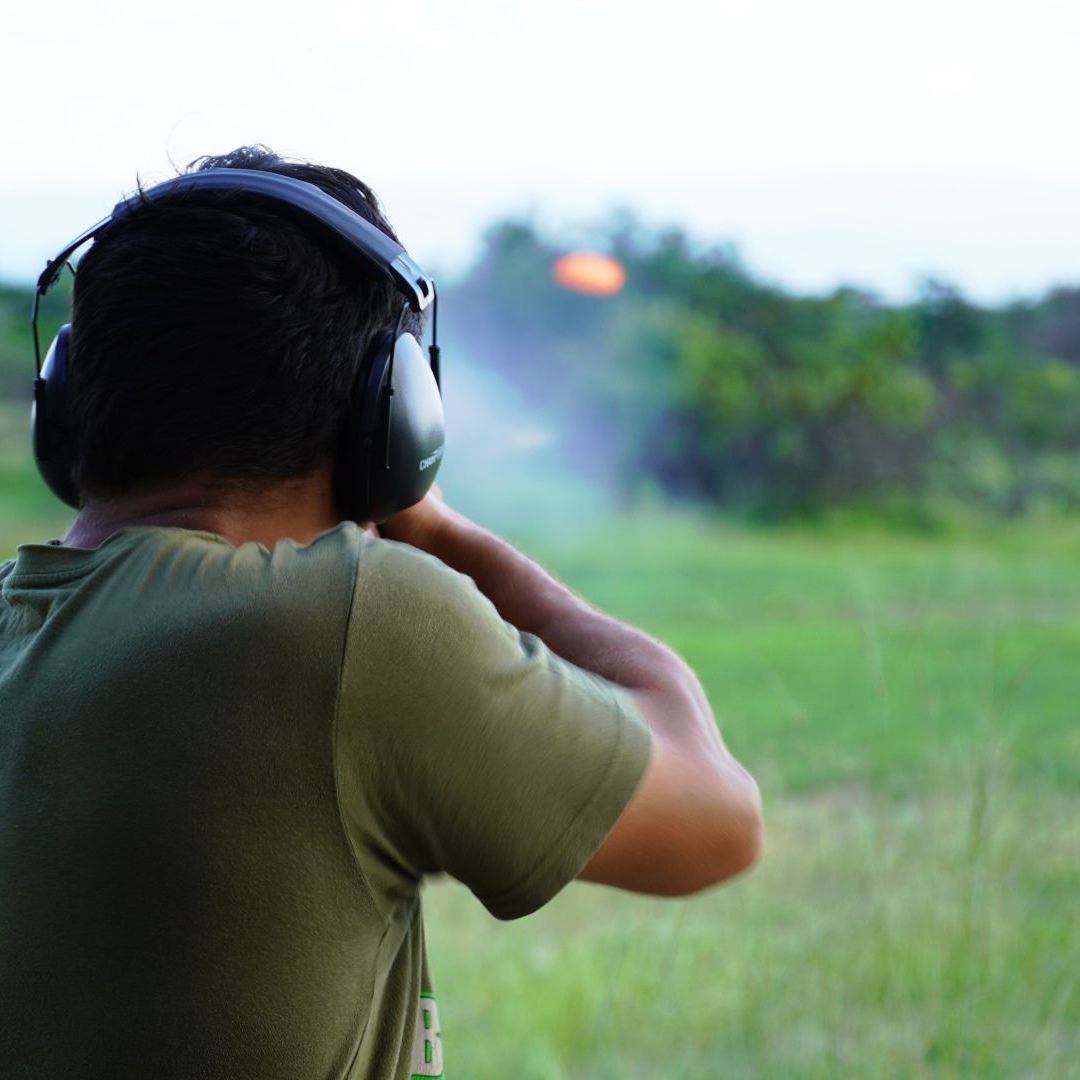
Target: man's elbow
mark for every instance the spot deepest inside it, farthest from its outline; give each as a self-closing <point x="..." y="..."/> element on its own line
<point x="745" y="845"/>
<point x="733" y="845"/>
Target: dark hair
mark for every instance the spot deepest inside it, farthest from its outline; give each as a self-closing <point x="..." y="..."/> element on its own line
<point x="218" y="333"/>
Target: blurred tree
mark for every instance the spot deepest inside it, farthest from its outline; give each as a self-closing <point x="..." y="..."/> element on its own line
<point x="16" y="341"/>
<point x="725" y="388"/>
<point x="722" y="387"/>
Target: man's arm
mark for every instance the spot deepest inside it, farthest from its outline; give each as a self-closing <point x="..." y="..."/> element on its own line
<point x="696" y="817"/>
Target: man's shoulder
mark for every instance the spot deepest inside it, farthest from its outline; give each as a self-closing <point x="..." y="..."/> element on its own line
<point x="307" y="584"/>
<point x="409" y="588"/>
<point x="187" y="579"/>
<point x="398" y="566"/>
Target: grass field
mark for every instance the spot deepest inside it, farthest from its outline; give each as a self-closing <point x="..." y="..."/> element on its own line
<point x="910" y="707"/>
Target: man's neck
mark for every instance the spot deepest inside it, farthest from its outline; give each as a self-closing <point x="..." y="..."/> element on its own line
<point x="296" y="510"/>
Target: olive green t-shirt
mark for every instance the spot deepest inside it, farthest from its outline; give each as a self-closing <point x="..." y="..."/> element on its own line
<point x="224" y="773"/>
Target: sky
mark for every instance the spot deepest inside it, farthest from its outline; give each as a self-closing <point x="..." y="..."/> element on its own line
<point x="835" y="142"/>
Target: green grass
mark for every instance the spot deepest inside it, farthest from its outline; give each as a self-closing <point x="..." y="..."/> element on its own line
<point x="910" y="706"/>
<point x="878" y="938"/>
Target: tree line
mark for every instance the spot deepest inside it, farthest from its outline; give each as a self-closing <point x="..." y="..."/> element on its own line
<point x="704" y="380"/>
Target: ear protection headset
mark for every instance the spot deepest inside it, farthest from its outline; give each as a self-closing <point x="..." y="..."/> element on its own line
<point x="392" y="443"/>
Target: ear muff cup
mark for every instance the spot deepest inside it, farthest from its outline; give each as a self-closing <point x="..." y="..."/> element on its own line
<point x="50" y="422"/>
<point x="391" y="447"/>
<point x="392" y="444"/>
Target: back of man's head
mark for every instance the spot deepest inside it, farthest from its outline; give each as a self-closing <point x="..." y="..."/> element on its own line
<point x="218" y="334"/>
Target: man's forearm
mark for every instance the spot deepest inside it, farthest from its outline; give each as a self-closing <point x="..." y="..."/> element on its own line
<point x="695" y="818"/>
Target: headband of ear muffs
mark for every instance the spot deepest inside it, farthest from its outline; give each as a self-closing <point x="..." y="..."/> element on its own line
<point x="392" y="443"/>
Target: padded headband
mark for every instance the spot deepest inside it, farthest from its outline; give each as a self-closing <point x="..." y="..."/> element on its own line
<point x="385" y="254"/>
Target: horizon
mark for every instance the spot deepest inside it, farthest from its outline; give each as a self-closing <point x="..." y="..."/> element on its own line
<point x="452" y="261"/>
<point x="838" y="145"/>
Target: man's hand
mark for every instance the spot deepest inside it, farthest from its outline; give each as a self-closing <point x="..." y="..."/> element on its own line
<point x="421" y="523"/>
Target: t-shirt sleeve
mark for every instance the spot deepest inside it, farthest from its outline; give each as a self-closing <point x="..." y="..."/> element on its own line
<point x="465" y="746"/>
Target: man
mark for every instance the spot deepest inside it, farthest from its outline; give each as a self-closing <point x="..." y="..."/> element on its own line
<point x="237" y="731"/>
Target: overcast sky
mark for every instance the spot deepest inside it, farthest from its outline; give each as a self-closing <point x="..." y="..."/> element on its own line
<point x="833" y="141"/>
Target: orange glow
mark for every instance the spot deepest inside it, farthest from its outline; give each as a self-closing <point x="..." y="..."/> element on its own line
<point x="590" y="273"/>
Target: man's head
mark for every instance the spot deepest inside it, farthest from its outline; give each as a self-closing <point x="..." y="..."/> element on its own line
<point x="217" y="335"/>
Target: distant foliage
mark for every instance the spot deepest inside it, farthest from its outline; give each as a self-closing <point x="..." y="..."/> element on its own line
<point x="16" y="341"/>
<point x="719" y="387"/>
<point x="725" y="388"/>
